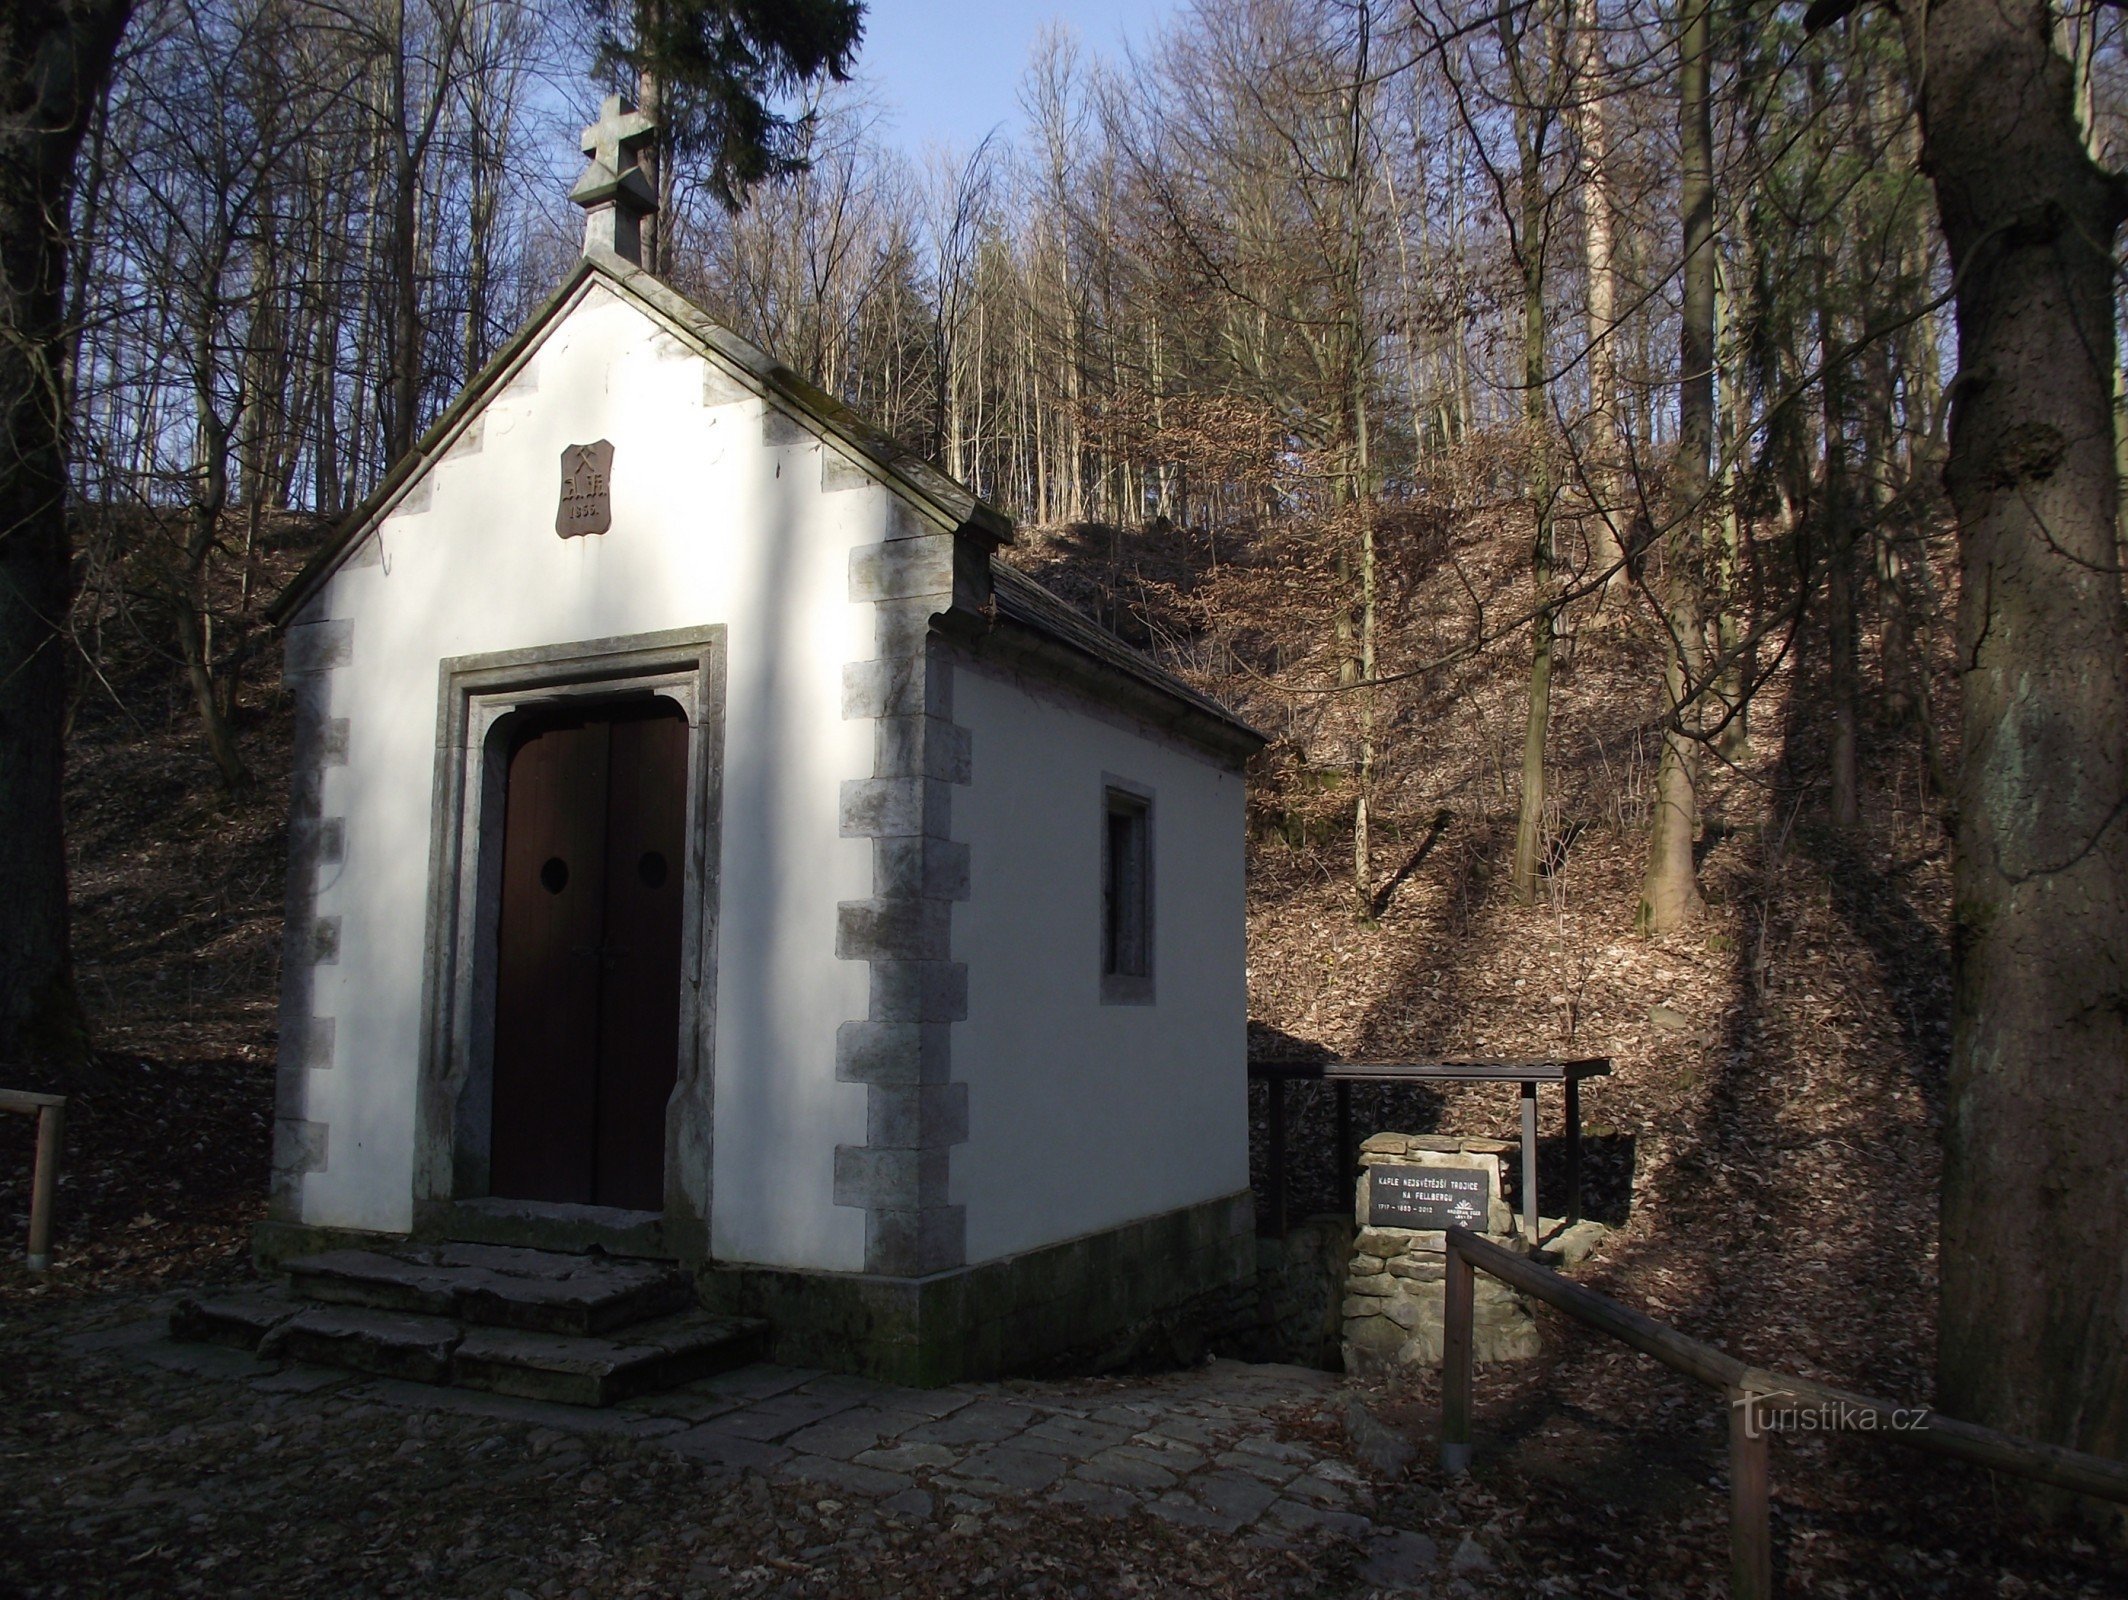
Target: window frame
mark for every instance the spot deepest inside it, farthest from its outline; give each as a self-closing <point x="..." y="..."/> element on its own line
<point x="1119" y="987"/>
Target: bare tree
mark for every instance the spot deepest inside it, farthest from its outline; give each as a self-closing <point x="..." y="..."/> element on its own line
<point x="1669" y="890"/>
<point x="54" y="58"/>
<point x="2031" y="1341"/>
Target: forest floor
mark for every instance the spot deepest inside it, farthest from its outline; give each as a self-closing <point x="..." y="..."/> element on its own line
<point x="1766" y="1144"/>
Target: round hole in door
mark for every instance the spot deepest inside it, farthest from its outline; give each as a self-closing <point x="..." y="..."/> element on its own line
<point x="651" y="869"/>
<point x="554" y="876"/>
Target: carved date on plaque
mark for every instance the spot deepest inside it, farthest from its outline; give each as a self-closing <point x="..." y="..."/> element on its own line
<point x="587" y="490"/>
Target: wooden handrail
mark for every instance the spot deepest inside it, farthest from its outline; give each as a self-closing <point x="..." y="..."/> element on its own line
<point x="1757" y="1399"/>
<point x="50" y="1112"/>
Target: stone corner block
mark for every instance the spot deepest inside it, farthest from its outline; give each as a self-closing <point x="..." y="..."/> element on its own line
<point x="889" y="930"/>
<point x="838" y="472"/>
<point x="901" y="686"/>
<point x="919" y="991"/>
<point x="876" y="808"/>
<point x="779" y="427"/>
<point x="899" y="1053"/>
<point x="903" y="568"/>
<point x="922" y="747"/>
<point x="889" y="1179"/>
<point x="916" y="1116"/>
<point x="912" y="1242"/>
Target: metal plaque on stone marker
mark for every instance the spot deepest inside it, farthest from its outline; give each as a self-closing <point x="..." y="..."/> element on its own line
<point x="1427" y="1197"/>
<point x="587" y="490"/>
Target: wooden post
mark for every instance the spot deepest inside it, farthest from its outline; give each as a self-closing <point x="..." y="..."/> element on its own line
<point x="1458" y="1308"/>
<point x="51" y="1125"/>
<point x="1277" y="1089"/>
<point x="1347" y="1160"/>
<point x="1573" y="1148"/>
<point x="1529" y="1161"/>
<point x="1750" y="1510"/>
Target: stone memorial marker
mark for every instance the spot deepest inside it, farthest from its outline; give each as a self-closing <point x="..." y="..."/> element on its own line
<point x="1411" y="1189"/>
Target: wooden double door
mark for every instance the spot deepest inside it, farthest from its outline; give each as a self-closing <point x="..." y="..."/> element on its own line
<point x="587" y="1002"/>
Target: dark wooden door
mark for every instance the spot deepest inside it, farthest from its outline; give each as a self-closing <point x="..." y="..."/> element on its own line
<point x="587" y="995"/>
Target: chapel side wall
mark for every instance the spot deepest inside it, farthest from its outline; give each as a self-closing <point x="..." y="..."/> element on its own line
<point x="1084" y="1116"/>
<point x="719" y="518"/>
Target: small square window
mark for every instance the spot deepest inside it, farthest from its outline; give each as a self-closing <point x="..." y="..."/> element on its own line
<point x="1127" y="899"/>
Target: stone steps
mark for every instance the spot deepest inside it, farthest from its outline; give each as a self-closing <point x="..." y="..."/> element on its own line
<point x="541" y="1291"/>
<point x="540" y="1325"/>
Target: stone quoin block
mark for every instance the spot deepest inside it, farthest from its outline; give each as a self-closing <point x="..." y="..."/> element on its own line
<point x="891" y="1178"/>
<point x="307" y="1044"/>
<point x="299" y="1146"/>
<point x="419" y="496"/>
<point x="904" y="521"/>
<point x="838" y="472"/>
<point x="921" y="747"/>
<point x="917" y="868"/>
<point x="911" y="1116"/>
<point x="720" y="388"/>
<point x="314" y="842"/>
<point x="893" y="930"/>
<point x="947" y="873"/>
<point x="779" y="428"/>
<point x="471" y="440"/>
<point x="913" y="1242"/>
<point x="902" y="569"/>
<point x="903" y="1053"/>
<point x="900" y="627"/>
<point x="892" y="807"/>
<point x="331" y="841"/>
<point x="895" y="688"/>
<point x="919" y="991"/>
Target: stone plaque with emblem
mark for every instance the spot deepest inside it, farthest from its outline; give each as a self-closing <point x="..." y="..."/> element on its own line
<point x="587" y="490"/>
<point x="1427" y="1197"/>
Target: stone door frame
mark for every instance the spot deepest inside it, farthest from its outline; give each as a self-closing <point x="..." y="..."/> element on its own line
<point x="479" y="698"/>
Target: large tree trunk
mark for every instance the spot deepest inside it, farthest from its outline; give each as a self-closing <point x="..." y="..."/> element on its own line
<point x="1592" y="74"/>
<point x="1835" y="529"/>
<point x="1530" y="248"/>
<point x="190" y="603"/>
<point x="53" y="61"/>
<point x="1669" y="890"/>
<point x="2035" y="1190"/>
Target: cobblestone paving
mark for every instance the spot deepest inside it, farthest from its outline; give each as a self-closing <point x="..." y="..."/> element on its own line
<point x="1192" y="1449"/>
<point x="158" y="1467"/>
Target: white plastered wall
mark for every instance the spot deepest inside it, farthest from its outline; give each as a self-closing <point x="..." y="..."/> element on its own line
<point x="1083" y="1116"/>
<point x="710" y="526"/>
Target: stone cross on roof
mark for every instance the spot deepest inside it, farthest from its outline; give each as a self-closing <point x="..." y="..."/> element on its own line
<point x="614" y="190"/>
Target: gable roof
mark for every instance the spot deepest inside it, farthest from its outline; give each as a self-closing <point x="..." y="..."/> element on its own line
<point x="1088" y="653"/>
<point x="1074" y="647"/>
<point x="915" y="478"/>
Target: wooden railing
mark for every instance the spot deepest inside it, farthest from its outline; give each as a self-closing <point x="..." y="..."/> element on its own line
<point x="50" y="1112"/>
<point x="1757" y="1398"/>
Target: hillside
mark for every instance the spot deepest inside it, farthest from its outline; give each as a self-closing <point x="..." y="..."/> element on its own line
<point x="1767" y="1138"/>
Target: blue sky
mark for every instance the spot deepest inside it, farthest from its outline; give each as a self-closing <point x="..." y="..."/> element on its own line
<point x="949" y="70"/>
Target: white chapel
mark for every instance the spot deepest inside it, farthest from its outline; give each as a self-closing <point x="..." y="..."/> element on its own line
<point x="704" y="848"/>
